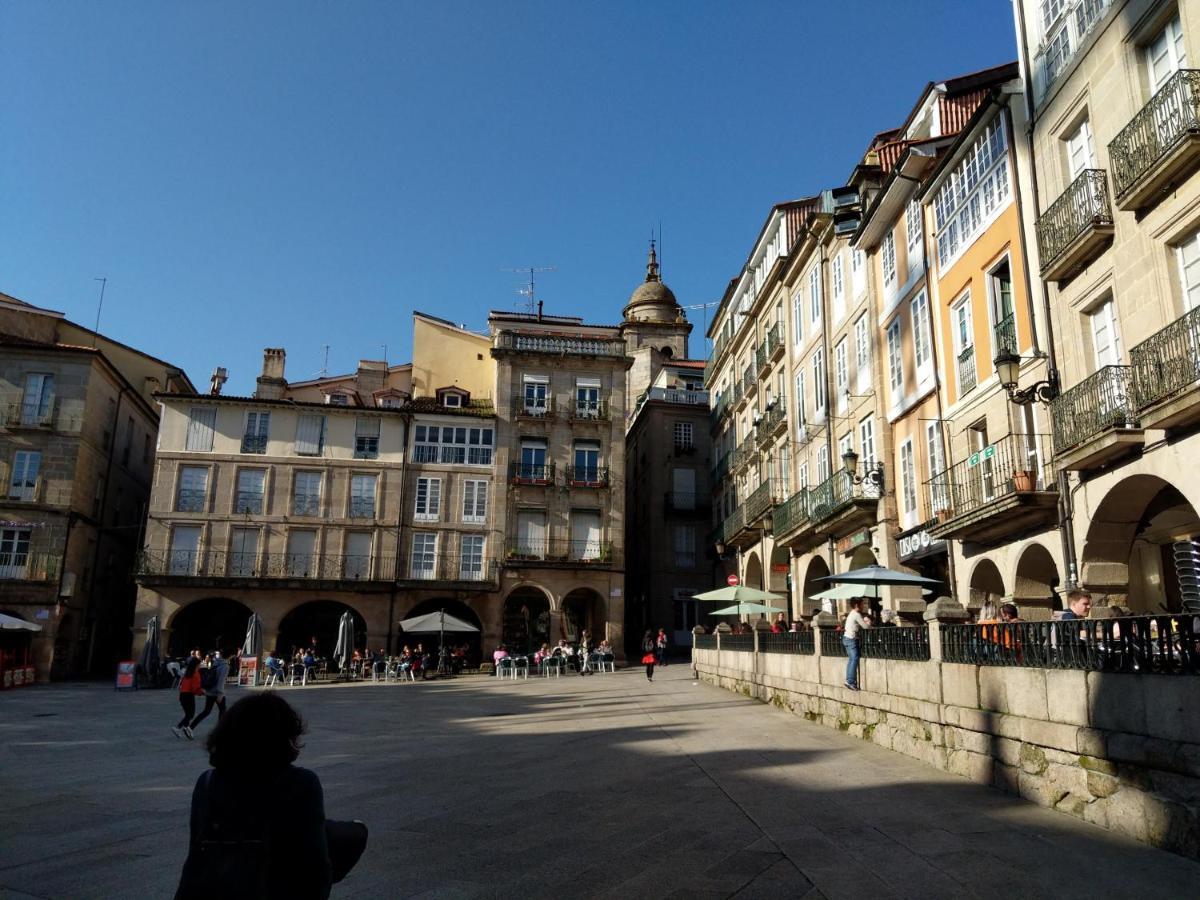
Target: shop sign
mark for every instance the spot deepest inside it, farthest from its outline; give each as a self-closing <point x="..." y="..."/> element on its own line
<point x="780" y="567"/>
<point x="127" y="675"/>
<point x="919" y="543"/>
<point x="851" y="541"/>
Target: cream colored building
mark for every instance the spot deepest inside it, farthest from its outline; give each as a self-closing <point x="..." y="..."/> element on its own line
<point x="1115" y="105"/>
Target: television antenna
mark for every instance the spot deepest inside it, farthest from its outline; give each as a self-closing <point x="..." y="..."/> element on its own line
<point x="325" y="366"/>
<point x="528" y="290"/>
<point x="705" y="307"/>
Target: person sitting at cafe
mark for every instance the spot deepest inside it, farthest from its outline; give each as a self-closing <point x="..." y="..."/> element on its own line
<point x="604" y="648"/>
<point x="274" y="664"/>
<point x="541" y="654"/>
<point x="780" y="625"/>
<point x="310" y="663"/>
<point x="500" y="653"/>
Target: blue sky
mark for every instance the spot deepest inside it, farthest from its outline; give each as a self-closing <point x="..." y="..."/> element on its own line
<point x="303" y="173"/>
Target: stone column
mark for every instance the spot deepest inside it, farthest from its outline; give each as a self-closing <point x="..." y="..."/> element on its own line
<point x="822" y="621"/>
<point x="942" y="611"/>
<point x="761" y="627"/>
<point x="722" y="628"/>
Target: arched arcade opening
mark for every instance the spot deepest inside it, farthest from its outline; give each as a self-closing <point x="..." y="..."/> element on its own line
<point x="212" y="623"/>
<point x="1037" y="580"/>
<point x="472" y="641"/>
<point x="817" y="569"/>
<point x="754" y="572"/>
<point x="584" y="608"/>
<point x="526" y="623"/>
<point x="987" y="588"/>
<point x="315" y="624"/>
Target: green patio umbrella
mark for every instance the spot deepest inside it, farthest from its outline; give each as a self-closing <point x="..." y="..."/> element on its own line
<point x="738" y="594"/>
<point x="739" y="609"/>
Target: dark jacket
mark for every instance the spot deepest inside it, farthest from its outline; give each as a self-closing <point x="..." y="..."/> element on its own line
<point x="284" y="809"/>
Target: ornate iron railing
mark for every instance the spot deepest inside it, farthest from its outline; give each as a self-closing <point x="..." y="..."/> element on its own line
<point x="967" y="376"/>
<point x="1168" y="644"/>
<point x="1007" y="466"/>
<point x="29" y="566"/>
<point x="533" y="407"/>
<point x="588" y="410"/>
<point x="831" y="643"/>
<point x="362" y="507"/>
<point x="744" y="452"/>
<point x="774" y="339"/>
<point x="758" y="502"/>
<point x="1004" y="334"/>
<point x="248" y="502"/>
<point x="1167" y="362"/>
<point x="839" y="489"/>
<point x="895" y="642"/>
<point x="704" y="641"/>
<point x="736" y="391"/>
<point x="801" y="642"/>
<point x="732" y="524"/>
<point x="1083" y="205"/>
<point x="453" y="567"/>
<point x="188" y="500"/>
<point x="587" y="476"/>
<point x="1172" y="114"/>
<point x="558" y="550"/>
<point x="790" y="513"/>
<point x="306" y="505"/>
<point x="528" y="473"/>
<point x="559" y="346"/>
<point x="770" y="420"/>
<point x="761" y="356"/>
<point x="1103" y="400"/>
<point x="235" y="564"/>
<point x="749" y="380"/>
<point x="740" y="642"/>
<point x="254" y="443"/>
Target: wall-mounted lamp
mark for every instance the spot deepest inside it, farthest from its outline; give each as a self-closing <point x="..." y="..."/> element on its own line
<point x="850" y="462"/>
<point x="1008" y="370"/>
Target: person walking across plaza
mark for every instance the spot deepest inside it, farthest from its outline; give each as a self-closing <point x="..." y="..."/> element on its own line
<point x="213" y="683"/>
<point x="660" y="647"/>
<point x="189" y="689"/>
<point x="648" y="654"/>
<point x="855" y="622"/>
<point x="585" y="653"/>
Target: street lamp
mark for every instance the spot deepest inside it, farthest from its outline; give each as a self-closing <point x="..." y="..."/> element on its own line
<point x="1008" y="370"/>
<point x="850" y="462"/>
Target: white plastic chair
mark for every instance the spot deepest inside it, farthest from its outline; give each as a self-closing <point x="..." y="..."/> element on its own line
<point x="606" y="659"/>
<point x="553" y="664"/>
<point x="506" y="668"/>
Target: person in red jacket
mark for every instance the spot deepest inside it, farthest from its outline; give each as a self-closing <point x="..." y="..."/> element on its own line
<point x="189" y="690"/>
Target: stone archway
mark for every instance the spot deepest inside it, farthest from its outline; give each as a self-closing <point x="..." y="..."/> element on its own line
<point x="316" y="622"/>
<point x="817" y="568"/>
<point x="754" y="572"/>
<point x="472" y="640"/>
<point x="526" y="623"/>
<point x="1129" y="554"/>
<point x="584" y="608"/>
<point x="863" y="557"/>
<point x="211" y="623"/>
<point x="1036" y="581"/>
<point x="986" y="590"/>
<point x="779" y="577"/>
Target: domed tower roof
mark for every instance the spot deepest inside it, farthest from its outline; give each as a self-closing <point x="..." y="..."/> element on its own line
<point x="653" y="301"/>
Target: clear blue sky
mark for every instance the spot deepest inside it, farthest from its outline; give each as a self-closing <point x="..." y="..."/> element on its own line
<point x="306" y="173"/>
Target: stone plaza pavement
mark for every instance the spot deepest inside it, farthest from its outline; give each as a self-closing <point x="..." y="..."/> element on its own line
<point x="600" y="786"/>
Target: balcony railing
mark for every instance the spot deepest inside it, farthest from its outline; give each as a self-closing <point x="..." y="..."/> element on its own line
<point x="672" y="395"/>
<point x="1101" y="401"/>
<point x="749" y="380"/>
<point x="467" y="568"/>
<point x="33" y="414"/>
<point x="1083" y="206"/>
<point x="744" y="452"/>
<point x="840" y="489"/>
<point x="721" y="469"/>
<point x="1163" y="124"/>
<point x="1004" y="335"/>
<point x="1008" y="466"/>
<point x="1168" y="362"/>
<point x="362" y="507"/>
<point x="967" y="377"/>
<point x="759" y="502"/>
<point x="559" y="346"/>
<point x="529" y="473"/>
<point x="732" y="524"/>
<point x="790" y="513"/>
<point x="774" y="340"/>
<point x="254" y="443"/>
<point x="554" y="550"/>
<point x="587" y="476"/>
<point x="533" y="407"/>
<point x="719" y="410"/>
<point x="589" y="410"/>
<point x="29" y="566"/>
<point x="736" y="392"/>
<point x="236" y="564"/>
<point x="1132" y="644"/>
<point x="770" y="421"/>
<point x="191" y="501"/>
<point x="306" y="505"/>
<point x="248" y="502"/>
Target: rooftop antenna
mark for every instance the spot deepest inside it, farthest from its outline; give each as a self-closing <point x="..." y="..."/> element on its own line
<point x="528" y="291"/>
<point x="324" y="366"/>
<point x="384" y="346"/>
<point x="705" y="307"/>
<point x="99" y="306"/>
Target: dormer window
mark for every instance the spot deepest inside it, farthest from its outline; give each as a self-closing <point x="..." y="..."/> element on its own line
<point x="338" y="400"/>
<point x="452" y="398"/>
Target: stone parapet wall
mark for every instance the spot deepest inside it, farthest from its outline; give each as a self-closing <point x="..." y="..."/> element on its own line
<point x="1120" y="751"/>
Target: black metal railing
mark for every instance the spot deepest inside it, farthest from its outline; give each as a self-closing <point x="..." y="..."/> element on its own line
<point x="248" y="502"/>
<point x="533" y="407"/>
<point x="306" y="505"/>
<point x="556" y="550"/>
<point x="733" y="523"/>
<point x="770" y="420"/>
<point x="740" y="642"/>
<point x="790" y="513"/>
<point x="238" y="564"/>
<point x="191" y="500"/>
<point x="559" y="346"/>
<point x="33" y="414"/>
<point x="831" y="643"/>
<point x="840" y="489"/>
<point x="1168" y="362"/>
<point x="530" y="473"/>
<point x="1168" y="644"/>
<point x="587" y="410"/>
<point x="1083" y="205"/>
<point x="759" y="502"/>
<point x="29" y="566"/>
<point x="801" y="642"/>
<point x="254" y="443"/>
<point x="1103" y="400"/>
<point x="967" y="376"/>
<point x="587" y="476"/>
<point x="362" y="507"/>
<point x="1007" y="466"/>
<point x="1004" y="335"/>
<point x="704" y="641"/>
<point x="895" y="642"/>
<point x="449" y="567"/>
<point x="1172" y="114"/>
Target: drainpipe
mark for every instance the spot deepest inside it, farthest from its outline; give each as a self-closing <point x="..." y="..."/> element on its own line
<point x="405" y="419"/>
<point x="827" y="350"/>
<point x="1066" y="503"/>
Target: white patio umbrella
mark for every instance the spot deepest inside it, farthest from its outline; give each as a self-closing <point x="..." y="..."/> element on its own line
<point x="878" y="576"/>
<point x="12" y="623"/>
<point x="849" y="591"/>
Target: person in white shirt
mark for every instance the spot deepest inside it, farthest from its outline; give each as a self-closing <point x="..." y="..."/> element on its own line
<point x="855" y="622"/>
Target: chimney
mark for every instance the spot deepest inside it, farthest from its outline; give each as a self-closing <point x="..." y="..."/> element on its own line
<point x="271" y="384"/>
<point x="371" y="377"/>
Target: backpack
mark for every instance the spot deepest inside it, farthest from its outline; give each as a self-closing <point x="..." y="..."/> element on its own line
<point x="208" y="678"/>
<point x="229" y="858"/>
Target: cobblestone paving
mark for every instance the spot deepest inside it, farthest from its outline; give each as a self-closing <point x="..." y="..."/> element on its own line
<point x="600" y="786"/>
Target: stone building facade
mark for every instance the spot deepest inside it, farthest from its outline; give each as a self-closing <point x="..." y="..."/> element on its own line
<point x="77" y="447"/>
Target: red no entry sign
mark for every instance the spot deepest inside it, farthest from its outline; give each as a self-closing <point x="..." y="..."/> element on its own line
<point x="732" y="581"/>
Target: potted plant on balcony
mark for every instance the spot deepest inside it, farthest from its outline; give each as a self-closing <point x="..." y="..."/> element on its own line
<point x="1022" y="481"/>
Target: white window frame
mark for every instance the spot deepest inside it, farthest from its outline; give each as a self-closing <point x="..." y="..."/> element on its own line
<point x="1189" y="247"/>
<point x="908" y="482"/>
<point x="895" y="359"/>
<point x="801" y="412"/>
<point x="472" y="557"/>
<point x="922" y="333"/>
<point x="475" y="501"/>
<point x="975" y="192"/>
<point x="841" y="368"/>
<point x="862" y="352"/>
<point x="427" y="499"/>
<point x="422" y="558"/>
<point x="912" y="230"/>
<point x="241" y="495"/>
<point x="798" y="317"/>
<point x="866" y="441"/>
<point x="21" y="486"/>
<point x="358" y="497"/>
<point x="818" y="370"/>
<point x="837" y="277"/>
<point x="303" y="507"/>
<point x="887" y="259"/>
<point x="814" y="297"/>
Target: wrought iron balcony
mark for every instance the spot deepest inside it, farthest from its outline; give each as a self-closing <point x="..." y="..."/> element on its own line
<point x="967" y="376"/>
<point x="587" y="476"/>
<point x="732" y="525"/>
<point x="840" y="490"/>
<point x="761" y="357"/>
<point x="306" y="505"/>
<point x="248" y="502"/>
<point x="211" y="564"/>
<point x="187" y="500"/>
<point x="737" y="392"/>
<point x="466" y="570"/>
<point x="995" y="492"/>
<point x="1166" y="369"/>
<point x="559" y="551"/>
<point x="744" y="452"/>
<point x="790" y="514"/>
<point x="759" y="503"/>
<point x="362" y="507"/>
<point x="682" y="397"/>
<point x="533" y="407"/>
<point x="774" y="341"/>
<point x="1004" y="335"/>
<point x="749" y="380"/>
<point x="1097" y="419"/>
<point x="559" y="346"/>
<point x="29" y="566"/>
<point x="771" y="421"/>
<point x="1159" y="142"/>
<point x="20" y="413"/>
<point x="529" y="473"/>
<point x="1076" y="226"/>
<point x="589" y="410"/>
<point x="254" y="443"/>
